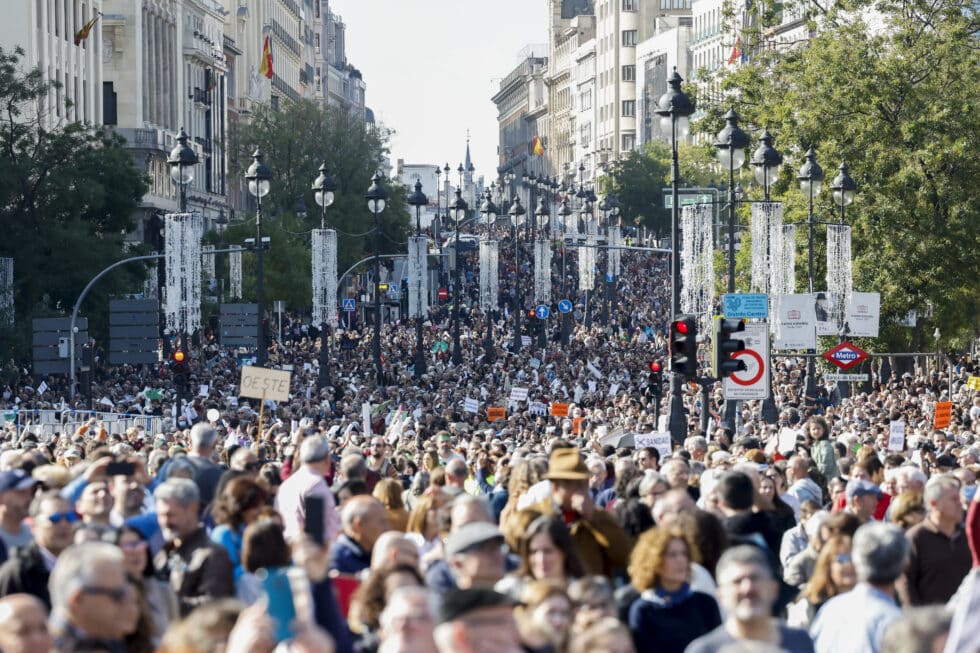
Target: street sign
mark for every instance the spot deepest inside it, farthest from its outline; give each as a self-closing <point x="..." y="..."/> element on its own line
<point x="393" y="287"/>
<point x="443" y="293"/>
<point x="739" y="305"/>
<point x="564" y="306"/>
<point x="753" y="381"/>
<point x="846" y="355"/>
<point x="847" y="378"/>
<point x="686" y="198"/>
<point x="349" y="305"/>
<point x="541" y="311"/>
<point x="610" y="278"/>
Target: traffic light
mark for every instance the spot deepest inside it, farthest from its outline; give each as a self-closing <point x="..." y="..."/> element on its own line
<point x="656" y="377"/>
<point x="725" y="345"/>
<point x="178" y="367"/>
<point x="684" y="346"/>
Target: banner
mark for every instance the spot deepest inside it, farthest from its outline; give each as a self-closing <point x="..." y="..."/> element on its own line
<point x="944" y="413"/>
<point x="493" y="414"/>
<point x="973" y="383"/>
<point x="823" y="307"/>
<point x="561" y="410"/>
<point x="659" y="441"/>
<point x="795" y="322"/>
<point x="537" y="408"/>
<point x="863" y="314"/>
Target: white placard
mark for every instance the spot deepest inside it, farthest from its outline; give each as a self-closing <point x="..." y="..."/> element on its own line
<point x="366" y="418"/>
<point x="753" y="383"/>
<point x="518" y="394"/>
<point x="787" y="439"/>
<point x="896" y="436"/>
<point x="613" y="389"/>
<point x="471" y="405"/>
<point x="260" y="383"/>
<point x="659" y="441"/>
<point x="863" y="314"/>
<point x="537" y="408"/>
<point x="823" y="308"/>
<point x="795" y="322"/>
<point x="203" y="390"/>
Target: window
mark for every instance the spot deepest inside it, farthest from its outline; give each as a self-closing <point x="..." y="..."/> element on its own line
<point x="585" y="135"/>
<point x="585" y="100"/>
<point x="629" y="38"/>
<point x="629" y="108"/>
<point x="629" y="73"/>
<point x="629" y="5"/>
<point x="629" y="142"/>
<point x="316" y="42"/>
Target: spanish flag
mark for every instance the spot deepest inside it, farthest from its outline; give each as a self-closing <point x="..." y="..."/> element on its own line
<point x="266" y="66"/>
<point x="82" y="34"/>
<point x="737" y="54"/>
<point x="537" y="147"/>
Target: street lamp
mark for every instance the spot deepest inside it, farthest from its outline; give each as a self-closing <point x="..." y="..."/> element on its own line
<point x="459" y="209"/>
<point x="612" y="223"/>
<point x="489" y="211"/>
<point x="418" y="200"/>
<point x="674" y="107"/>
<point x="323" y="188"/>
<point x="516" y="217"/>
<point x="376" y="197"/>
<point x="766" y="162"/>
<point x="258" y="177"/>
<point x="565" y="211"/>
<point x="182" y="160"/>
<point x="811" y="182"/>
<point x="731" y="145"/>
<point x="542" y="214"/>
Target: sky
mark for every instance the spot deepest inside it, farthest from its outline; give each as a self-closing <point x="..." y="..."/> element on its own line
<point x="431" y="67"/>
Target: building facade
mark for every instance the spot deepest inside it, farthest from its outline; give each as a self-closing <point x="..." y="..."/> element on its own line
<point x="522" y="106"/>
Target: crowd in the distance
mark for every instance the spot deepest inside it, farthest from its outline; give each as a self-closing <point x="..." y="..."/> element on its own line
<point x="429" y="529"/>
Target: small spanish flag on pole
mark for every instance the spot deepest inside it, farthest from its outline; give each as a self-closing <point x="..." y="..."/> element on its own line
<point x="83" y="33"/>
<point x="737" y="53"/>
<point x="537" y="147"/>
<point x="266" y="67"/>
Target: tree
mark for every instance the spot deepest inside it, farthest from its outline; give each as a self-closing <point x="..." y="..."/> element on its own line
<point x="67" y="198"/>
<point x="296" y="140"/>
<point x="898" y="104"/>
<point x="638" y="180"/>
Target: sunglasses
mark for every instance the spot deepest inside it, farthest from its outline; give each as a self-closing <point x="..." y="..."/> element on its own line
<point x="56" y="517"/>
<point x="843" y="558"/>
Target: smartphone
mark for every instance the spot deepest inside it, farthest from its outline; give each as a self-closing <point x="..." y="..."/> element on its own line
<point x="279" y="595"/>
<point x="313" y="507"/>
<point x="120" y="469"/>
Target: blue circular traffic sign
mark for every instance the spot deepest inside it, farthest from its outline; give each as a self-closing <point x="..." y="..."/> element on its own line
<point x="542" y="312"/>
<point x="564" y="306"/>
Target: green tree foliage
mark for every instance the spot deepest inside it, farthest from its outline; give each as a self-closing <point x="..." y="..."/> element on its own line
<point x="638" y="180"/>
<point x="892" y="90"/>
<point x="67" y="198"/>
<point x="296" y="140"/>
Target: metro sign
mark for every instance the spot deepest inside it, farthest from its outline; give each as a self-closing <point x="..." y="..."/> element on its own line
<point x="846" y="355"/>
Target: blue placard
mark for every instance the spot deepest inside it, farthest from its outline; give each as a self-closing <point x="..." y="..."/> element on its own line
<point x="610" y="278"/>
<point x="753" y="306"/>
<point x="564" y="306"/>
<point x="542" y="312"/>
<point x="349" y="305"/>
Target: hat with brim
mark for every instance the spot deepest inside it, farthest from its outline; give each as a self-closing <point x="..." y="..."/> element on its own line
<point x="859" y="488"/>
<point x="472" y="535"/>
<point x="566" y="464"/>
<point x="16" y="479"/>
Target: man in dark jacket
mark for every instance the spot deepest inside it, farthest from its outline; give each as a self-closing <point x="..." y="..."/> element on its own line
<point x="27" y="572"/>
<point x="363" y="520"/>
<point x="199" y="569"/>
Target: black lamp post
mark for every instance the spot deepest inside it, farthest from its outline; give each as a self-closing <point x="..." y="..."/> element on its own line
<point x="516" y="217"/>
<point x="612" y="223"/>
<point x="542" y="215"/>
<point x="843" y="188"/>
<point x="323" y="188"/>
<point x="459" y="209"/>
<point x="418" y="200"/>
<point x="182" y="160"/>
<point x="765" y="162"/>
<point x="811" y="182"/>
<point x="585" y="214"/>
<point x="731" y="145"/>
<point x="376" y="197"/>
<point x="564" y="212"/>
<point x="489" y="211"/>
<point x="674" y="109"/>
<point x="258" y="177"/>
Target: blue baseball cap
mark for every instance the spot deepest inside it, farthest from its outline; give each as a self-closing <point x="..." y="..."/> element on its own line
<point x="16" y="479"/>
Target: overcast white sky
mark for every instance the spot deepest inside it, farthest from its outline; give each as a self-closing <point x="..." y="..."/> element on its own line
<point x="431" y="67"/>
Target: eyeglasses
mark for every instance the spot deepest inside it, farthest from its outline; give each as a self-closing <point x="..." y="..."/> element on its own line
<point x="252" y="467"/>
<point x="56" y="517"/>
<point x="117" y="594"/>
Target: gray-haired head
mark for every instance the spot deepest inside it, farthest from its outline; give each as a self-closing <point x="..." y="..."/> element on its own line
<point x="937" y="485"/>
<point x="742" y="555"/>
<point x="314" y="449"/>
<point x="203" y="438"/>
<point x="917" y="630"/>
<point x="79" y="566"/>
<point x="650" y="480"/>
<point x="182" y="490"/>
<point x="880" y="552"/>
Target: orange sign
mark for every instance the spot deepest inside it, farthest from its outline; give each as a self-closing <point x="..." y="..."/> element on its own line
<point x="559" y="410"/>
<point x="493" y="414"/>
<point x="577" y="425"/>
<point x="944" y="411"/>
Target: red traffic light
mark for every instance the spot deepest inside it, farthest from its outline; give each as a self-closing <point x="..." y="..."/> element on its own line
<point x="654" y="366"/>
<point x="680" y="326"/>
<point x="178" y="356"/>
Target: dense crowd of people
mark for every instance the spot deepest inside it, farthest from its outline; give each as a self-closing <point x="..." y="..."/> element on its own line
<point x="424" y="527"/>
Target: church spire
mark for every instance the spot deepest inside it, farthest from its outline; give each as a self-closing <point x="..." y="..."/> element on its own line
<point x="469" y="162"/>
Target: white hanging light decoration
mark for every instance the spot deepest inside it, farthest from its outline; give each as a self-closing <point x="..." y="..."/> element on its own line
<point x="489" y="274"/>
<point x="587" y="257"/>
<point x="785" y="263"/>
<point x="614" y="259"/>
<point x="697" y="263"/>
<point x="207" y="264"/>
<point x="6" y="291"/>
<point x="839" y="282"/>
<point x="235" y="274"/>
<point x="542" y="271"/>
<point x="150" y="290"/>
<point x="325" y="277"/>
<point x="182" y="241"/>
<point x="418" y="293"/>
<point x="767" y="230"/>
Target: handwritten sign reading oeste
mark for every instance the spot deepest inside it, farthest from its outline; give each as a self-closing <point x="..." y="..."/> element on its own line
<point x="261" y="383"/>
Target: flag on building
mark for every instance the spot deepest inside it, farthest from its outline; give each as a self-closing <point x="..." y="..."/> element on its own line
<point x="737" y="54"/>
<point x="537" y="147"/>
<point x="83" y="33"/>
<point x="266" y="67"/>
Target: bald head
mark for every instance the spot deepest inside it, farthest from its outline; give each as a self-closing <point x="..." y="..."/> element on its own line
<point x="23" y="625"/>
<point x="364" y="520"/>
<point x="671" y="504"/>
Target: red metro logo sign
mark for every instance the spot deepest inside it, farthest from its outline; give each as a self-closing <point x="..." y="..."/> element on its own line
<point x="846" y="355"/>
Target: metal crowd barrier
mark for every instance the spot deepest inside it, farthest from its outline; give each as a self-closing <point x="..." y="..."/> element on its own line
<point x="50" y="422"/>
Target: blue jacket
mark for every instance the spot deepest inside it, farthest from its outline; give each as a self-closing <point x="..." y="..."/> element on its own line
<point x="348" y="557"/>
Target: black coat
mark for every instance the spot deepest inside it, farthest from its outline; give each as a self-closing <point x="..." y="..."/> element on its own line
<point x="26" y="573"/>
